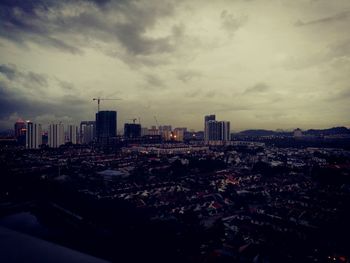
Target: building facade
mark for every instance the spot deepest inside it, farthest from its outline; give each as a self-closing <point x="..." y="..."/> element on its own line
<point x="132" y="130"/>
<point x="106" y="125"/>
<point x="33" y="135"/>
<point x="72" y="134"/>
<point x="218" y="130"/>
<point x="166" y="132"/>
<point x="179" y="134"/>
<point x="20" y="128"/>
<point x="207" y="118"/>
<point x="56" y="135"/>
<point x="87" y="131"/>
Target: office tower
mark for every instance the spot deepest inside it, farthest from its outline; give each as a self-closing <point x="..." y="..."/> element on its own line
<point x="166" y="132"/>
<point x="179" y="134"/>
<point x="132" y="130"/>
<point x="87" y="131"/>
<point x="106" y="125"/>
<point x="20" y="132"/>
<point x="225" y="130"/>
<point x="153" y="131"/>
<point x="144" y="131"/>
<point x="33" y="135"/>
<point x="206" y="130"/>
<point x="20" y="128"/>
<point x="56" y="135"/>
<point x="218" y="130"/>
<point x="72" y="134"/>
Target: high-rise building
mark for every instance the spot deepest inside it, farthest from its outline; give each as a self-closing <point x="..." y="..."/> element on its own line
<point x="206" y="129"/>
<point x="132" y="130"/>
<point x="144" y="131"/>
<point x="20" y="128"/>
<point x="106" y="125"/>
<point x="20" y="132"/>
<point x="72" y="134"/>
<point x="56" y="135"/>
<point x="166" y="132"/>
<point x="87" y="131"/>
<point x="218" y="130"/>
<point x="153" y="131"/>
<point x="179" y="134"/>
<point x="33" y="135"/>
<point x="225" y="130"/>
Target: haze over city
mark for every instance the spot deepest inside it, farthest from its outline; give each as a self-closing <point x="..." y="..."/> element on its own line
<point x="259" y="64"/>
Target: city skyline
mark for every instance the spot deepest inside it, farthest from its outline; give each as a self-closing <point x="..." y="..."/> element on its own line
<point x="258" y="64"/>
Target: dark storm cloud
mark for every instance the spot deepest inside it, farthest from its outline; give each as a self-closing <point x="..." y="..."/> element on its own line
<point x="31" y="79"/>
<point x="154" y="81"/>
<point x="65" y="85"/>
<point x="21" y="92"/>
<point x="231" y="23"/>
<point x="9" y="71"/>
<point x="257" y="88"/>
<point x="187" y="75"/>
<point x="123" y="22"/>
<point x="337" y="17"/>
<point x="340" y="48"/>
<point x="29" y="107"/>
<point x="342" y="95"/>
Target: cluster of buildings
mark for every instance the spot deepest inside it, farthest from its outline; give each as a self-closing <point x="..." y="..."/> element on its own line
<point x="103" y="131"/>
<point x="249" y="194"/>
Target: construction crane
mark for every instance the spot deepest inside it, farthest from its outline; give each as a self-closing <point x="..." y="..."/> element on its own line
<point x="99" y="100"/>
<point x="156" y="120"/>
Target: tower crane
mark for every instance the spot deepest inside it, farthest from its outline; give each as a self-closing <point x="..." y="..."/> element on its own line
<point x="156" y="121"/>
<point x="99" y="100"/>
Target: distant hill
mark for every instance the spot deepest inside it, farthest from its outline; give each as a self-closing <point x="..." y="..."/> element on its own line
<point x="261" y="132"/>
<point x="314" y="132"/>
<point x="326" y="132"/>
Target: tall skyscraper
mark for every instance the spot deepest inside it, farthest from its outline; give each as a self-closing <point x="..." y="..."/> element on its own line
<point x="225" y="130"/>
<point x="132" y="130"/>
<point x="166" y="132"/>
<point x="106" y="125"/>
<point x="206" y="129"/>
<point x="144" y="131"/>
<point x="72" y="134"/>
<point x="216" y="130"/>
<point x="153" y="131"/>
<point x="20" y="128"/>
<point x="87" y="131"/>
<point x="33" y="135"/>
<point x="179" y="134"/>
<point x="56" y="135"/>
<point x="20" y="132"/>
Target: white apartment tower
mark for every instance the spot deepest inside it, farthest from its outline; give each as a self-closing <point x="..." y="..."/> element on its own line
<point x="72" y="134"/>
<point x="33" y="135"/>
<point x="56" y="135"/>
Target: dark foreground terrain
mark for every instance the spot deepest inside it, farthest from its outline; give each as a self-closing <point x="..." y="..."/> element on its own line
<point x="248" y="202"/>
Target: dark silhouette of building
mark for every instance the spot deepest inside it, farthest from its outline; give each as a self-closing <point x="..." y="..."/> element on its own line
<point x="106" y="125"/>
<point x="20" y="132"/>
<point x="132" y="130"/>
<point x="218" y="130"/>
<point x="20" y="128"/>
<point x="206" y="128"/>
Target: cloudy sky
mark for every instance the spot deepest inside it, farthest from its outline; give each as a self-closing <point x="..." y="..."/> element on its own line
<point x="257" y="63"/>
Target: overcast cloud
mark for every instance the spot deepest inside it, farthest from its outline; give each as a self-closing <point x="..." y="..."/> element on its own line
<point x="259" y="63"/>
